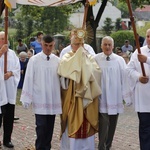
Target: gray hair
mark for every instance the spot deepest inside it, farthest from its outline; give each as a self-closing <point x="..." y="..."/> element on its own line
<point x="23" y="54"/>
<point x="108" y="38"/>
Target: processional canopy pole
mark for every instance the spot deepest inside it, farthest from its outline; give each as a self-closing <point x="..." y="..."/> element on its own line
<point x="135" y="33"/>
<point x="86" y="31"/>
<point x="87" y="3"/>
<point x="85" y="14"/>
<point x="8" y="4"/>
<point x="6" y="37"/>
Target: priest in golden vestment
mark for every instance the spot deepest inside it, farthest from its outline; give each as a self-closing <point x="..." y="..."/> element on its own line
<point x="80" y="80"/>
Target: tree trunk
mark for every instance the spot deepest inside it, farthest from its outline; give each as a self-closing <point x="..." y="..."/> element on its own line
<point x="2" y="7"/>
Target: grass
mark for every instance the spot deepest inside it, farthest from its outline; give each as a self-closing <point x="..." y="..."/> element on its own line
<point x="18" y="97"/>
<point x="11" y="31"/>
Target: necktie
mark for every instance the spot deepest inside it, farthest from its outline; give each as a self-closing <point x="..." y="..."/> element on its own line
<point x="48" y="58"/>
<point x="108" y="58"/>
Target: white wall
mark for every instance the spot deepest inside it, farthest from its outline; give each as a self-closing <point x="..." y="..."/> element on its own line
<point x="140" y="24"/>
<point x="77" y="19"/>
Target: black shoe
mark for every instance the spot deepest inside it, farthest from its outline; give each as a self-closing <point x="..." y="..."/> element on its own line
<point x="16" y="118"/>
<point x="8" y="144"/>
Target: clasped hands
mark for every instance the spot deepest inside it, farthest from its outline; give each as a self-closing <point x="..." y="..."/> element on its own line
<point x="7" y="75"/>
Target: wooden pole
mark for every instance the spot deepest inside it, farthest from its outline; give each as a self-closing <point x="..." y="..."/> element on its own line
<point x="6" y="37"/>
<point x="135" y="34"/>
<point x="85" y="14"/>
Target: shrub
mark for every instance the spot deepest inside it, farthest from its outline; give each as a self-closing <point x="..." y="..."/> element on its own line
<point x="120" y="37"/>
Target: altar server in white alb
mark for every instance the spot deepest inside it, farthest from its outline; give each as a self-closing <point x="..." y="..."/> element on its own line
<point x="11" y="77"/>
<point x="140" y="86"/>
<point x="42" y="89"/>
<point x="67" y="49"/>
<point x="114" y="91"/>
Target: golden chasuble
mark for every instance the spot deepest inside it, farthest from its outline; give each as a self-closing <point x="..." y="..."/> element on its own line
<point x="80" y="100"/>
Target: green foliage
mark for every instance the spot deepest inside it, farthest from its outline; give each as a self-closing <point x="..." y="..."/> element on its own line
<point x="118" y="24"/>
<point x="124" y="9"/>
<point x="11" y="31"/>
<point x="51" y="20"/>
<point x="122" y="35"/>
<point x="18" y="102"/>
<point x="54" y="20"/>
<point x="108" y="27"/>
<point x="122" y="5"/>
<point x="142" y="30"/>
<point x="11" y="38"/>
<point x="138" y="2"/>
<point x="68" y="9"/>
<point x="19" y="33"/>
<point x="1" y="19"/>
<point x="28" y="26"/>
<point x="1" y="29"/>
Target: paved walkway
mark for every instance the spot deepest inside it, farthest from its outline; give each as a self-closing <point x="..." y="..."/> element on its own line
<point x="126" y="135"/>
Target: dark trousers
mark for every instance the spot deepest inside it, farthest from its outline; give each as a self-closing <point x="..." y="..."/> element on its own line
<point x="107" y="127"/>
<point x="0" y="120"/>
<point x="144" y="130"/>
<point x="44" y="131"/>
<point x="8" y="120"/>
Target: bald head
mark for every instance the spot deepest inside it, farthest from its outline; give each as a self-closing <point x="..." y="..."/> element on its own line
<point x="2" y="33"/>
<point x="2" y="38"/>
<point x="148" y="37"/>
<point x="147" y="32"/>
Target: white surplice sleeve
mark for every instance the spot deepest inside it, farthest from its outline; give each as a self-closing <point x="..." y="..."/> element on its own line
<point x="132" y="73"/>
<point x="126" y="90"/>
<point x="27" y="90"/>
<point x="64" y="83"/>
<point x="16" y="69"/>
<point x="148" y="60"/>
<point x="3" y="98"/>
<point x="11" y="83"/>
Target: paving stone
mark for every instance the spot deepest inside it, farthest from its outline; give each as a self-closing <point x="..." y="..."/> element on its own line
<point x="23" y="137"/>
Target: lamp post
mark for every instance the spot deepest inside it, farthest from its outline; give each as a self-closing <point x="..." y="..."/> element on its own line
<point x="59" y="38"/>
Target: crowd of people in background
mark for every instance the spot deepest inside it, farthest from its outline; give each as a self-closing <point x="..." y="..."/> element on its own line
<point x="127" y="49"/>
<point x="89" y="90"/>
